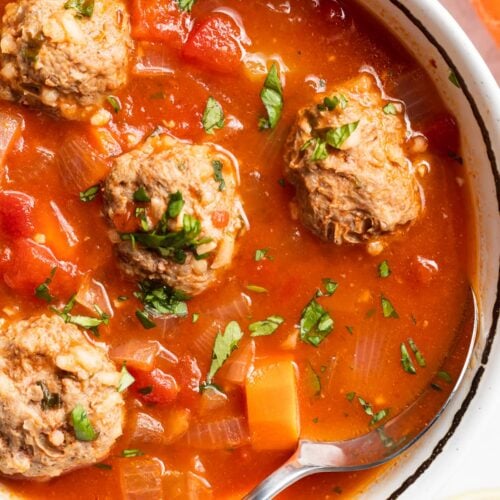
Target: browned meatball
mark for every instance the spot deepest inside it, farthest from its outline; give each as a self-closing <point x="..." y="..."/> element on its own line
<point x="65" y="55"/>
<point x="48" y="372"/>
<point x="185" y="232"/>
<point x="346" y="159"/>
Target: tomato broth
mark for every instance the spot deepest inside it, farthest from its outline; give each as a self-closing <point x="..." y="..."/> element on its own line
<point x="279" y="266"/>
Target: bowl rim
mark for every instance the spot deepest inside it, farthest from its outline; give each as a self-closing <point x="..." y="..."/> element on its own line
<point x="468" y="58"/>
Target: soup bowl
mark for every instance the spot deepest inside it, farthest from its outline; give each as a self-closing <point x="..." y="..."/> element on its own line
<point x="469" y="89"/>
<point x="452" y="458"/>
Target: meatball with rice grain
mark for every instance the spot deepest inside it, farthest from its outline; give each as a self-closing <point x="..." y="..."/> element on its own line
<point x="49" y="370"/>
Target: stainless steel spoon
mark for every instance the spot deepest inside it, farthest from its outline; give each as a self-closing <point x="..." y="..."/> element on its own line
<point x="391" y="439"/>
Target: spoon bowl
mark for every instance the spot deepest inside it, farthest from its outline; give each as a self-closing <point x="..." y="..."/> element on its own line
<point x="391" y="439"/>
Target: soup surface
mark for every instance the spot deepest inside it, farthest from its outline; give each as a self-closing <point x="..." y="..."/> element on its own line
<point x="219" y="441"/>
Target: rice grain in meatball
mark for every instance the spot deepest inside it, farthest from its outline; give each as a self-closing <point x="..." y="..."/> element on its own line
<point x="47" y="369"/>
<point x="346" y="159"/>
<point x="64" y="54"/>
<point x="176" y="211"/>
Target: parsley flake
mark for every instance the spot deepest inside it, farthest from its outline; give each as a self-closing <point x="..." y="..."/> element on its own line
<point x="90" y="193"/>
<point x="388" y="309"/>
<point x="186" y="5"/>
<point x="390" y="109"/>
<point x="141" y="195"/>
<point x="224" y="345"/>
<point x="384" y="271"/>
<point x="213" y="116"/>
<point x="84" y="431"/>
<point x="265" y="327"/>
<point x="335" y="137"/>
<point x="454" y="79"/>
<point x="42" y="291"/>
<point x="315" y="324"/>
<point x="84" y="8"/>
<point x="126" y="379"/>
<point x="217" y="165"/>
<point x="272" y="98"/>
<point x="114" y="102"/>
<point x="50" y="400"/>
<point x="406" y="361"/>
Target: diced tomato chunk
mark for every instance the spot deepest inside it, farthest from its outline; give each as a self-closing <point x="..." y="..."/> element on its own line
<point x="215" y="44"/>
<point x="220" y="218"/>
<point x="160" y="20"/>
<point x="189" y="377"/>
<point x="16" y="219"/>
<point x="443" y="135"/>
<point x="155" y="386"/>
<point x="29" y="264"/>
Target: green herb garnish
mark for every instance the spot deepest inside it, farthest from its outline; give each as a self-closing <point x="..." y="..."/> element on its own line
<point x="126" y="380"/>
<point x="265" y="327"/>
<point x="335" y="137"/>
<point x="388" y="309"/>
<point x="384" y="271"/>
<point x="141" y="195"/>
<point x="82" y="425"/>
<point x="443" y="375"/>
<point x="406" y="361"/>
<point x="315" y="324"/>
<point x="175" y="205"/>
<point x="272" y="98"/>
<point x="330" y="286"/>
<point x="217" y="165"/>
<point x="390" y="109"/>
<point x="90" y="193"/>
<point x="224" y="345"/>
<point x="330" y="103"/>
<point x="186" y="5"/>
<point x="84" y="8"/>
<point x="454" y="79"/>
<point x="213" y="116"/>
<point x="256" y="288"/>
<point x="114" y="102"/>
<point x="132" y="453"/>
<point x="42" y="291"/>
<point x="261" y="254"/>
<point x="418" y="355"/>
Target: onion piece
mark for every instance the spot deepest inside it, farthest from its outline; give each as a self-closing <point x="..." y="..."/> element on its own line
<point x="148" y="430"/>
<point x="211" y="400"/>
<point x="10" y="130"/>
<point x="238" y="366"/>
<point x="136" y="353"/>
<point x="231" y="432"/>
<point x="197" y="487"/>
<point x="141" y="478"/>
<point x="92" y="293"/>
<point x="186" y="485"/>
<point x="80" y="165"/>
<point x="153" y="59"/>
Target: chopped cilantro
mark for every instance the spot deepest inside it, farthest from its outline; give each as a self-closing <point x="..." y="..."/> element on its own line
<point x="315" y="324"/>
<point x="261" y="254"/>
<point x="272" y="98"/>
<point x="42" y="291"/>
<point x="350" y="329"/>
<point x="213" y="116"/>
<point x="265" y="327"/>
<point x="384" y="271"/>
<point x="335" y="137"/>
<point x="90" y="193"/>
<point x="143" y="317"/>
<point x="195" y="317"/>
<point x="50" y="400"/>
<point x="350" y="396"/>
<point x="217" y="165"/>
<point x="443" y="375"/>
<point x="454" y="79"/>
<point x="126" y="380"/>
<point x="114" y="102"/>
<point x="330" y="103"/>
<point x="313" y="381"/>
<point x="330" y="286"/>
<point x="84" y="8"/>
<point x="186" y="5"/>
<point x="86" y="322"/>
<point x="103" y="466"/>
<point x="390" y="109"/>
<point x="224" y="345"/>
<point x="388" y="309"/>
<point x="175" y="204"/>
<point x="418" y="355"/>
<point x="406" y="361"/>
<point x="132" y="453"/>
<point x="376" y="417"/>
<point x="82" y="425"/>
<point x="141" y="195"/>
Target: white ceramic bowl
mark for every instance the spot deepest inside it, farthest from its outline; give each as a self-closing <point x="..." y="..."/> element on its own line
<point x="429" y="32"/>
<point x="466" y="431"/>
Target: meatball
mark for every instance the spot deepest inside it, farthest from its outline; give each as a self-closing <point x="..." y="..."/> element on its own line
<point x="47" y="370"/>
<point x="64" y="54"/>
<point x="176" y="211"/>
<point x="345" y="157"/>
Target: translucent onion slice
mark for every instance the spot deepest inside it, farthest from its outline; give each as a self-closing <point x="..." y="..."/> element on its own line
<point x="211" y="400"/>
<point x="153" y="59"/>
<point x="140" y="478"/>
<point x="238" y="366"/>
<point x="92" y="293"/>
<point x="231" y="432"/>
<point x="10" y="130"/>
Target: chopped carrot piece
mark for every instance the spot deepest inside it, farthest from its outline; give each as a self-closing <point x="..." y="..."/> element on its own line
<point x="273" y="407"/>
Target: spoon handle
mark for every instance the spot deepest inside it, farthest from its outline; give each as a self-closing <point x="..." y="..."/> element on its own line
<point x="288" y="474"/>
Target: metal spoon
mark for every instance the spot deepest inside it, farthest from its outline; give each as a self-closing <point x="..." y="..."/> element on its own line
<point x="391" y="439"/>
